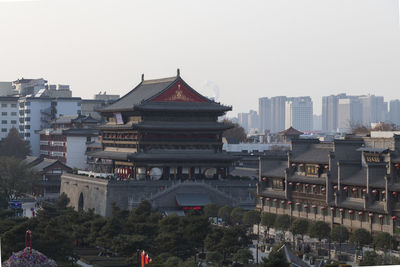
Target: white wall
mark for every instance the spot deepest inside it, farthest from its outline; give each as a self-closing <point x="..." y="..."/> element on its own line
<point x="68" y="107"/>
<point x="76" y="151"/>
<point x="11" y="119"/>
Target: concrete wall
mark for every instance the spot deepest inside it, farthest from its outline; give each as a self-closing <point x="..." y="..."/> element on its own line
<point x="76" y="152"/>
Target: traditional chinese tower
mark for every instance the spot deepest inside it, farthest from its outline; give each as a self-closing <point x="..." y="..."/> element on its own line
<point x="163" y="129"/>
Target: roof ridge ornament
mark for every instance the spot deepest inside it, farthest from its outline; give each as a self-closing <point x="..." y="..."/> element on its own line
<point x="142" y="77"/>
<point x="178" y="72"/>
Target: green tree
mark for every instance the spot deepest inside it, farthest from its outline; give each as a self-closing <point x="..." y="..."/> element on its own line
<point x="370" y="258"/>
<point x="339" y="234"/>
<point x="225" y="213"/>
<point x="236" y="133"/>
<point x="211" y="210"/>
<point x="360" y="237"/>
<point x="275" y="259"/>
<point x="282" y="222"/>
<point x="319" y="230"/>
<point x="214" y="257"/>
<point x="299" y="227"/>
<point x="14" y="146"/>
<point x="237" y="215"/>
<point x="243" y="256"/>
<point x="251" y="218"/>
<point x="16" y="178"/>
<point x="268" y="220"/>
<point x="384" y="241"/>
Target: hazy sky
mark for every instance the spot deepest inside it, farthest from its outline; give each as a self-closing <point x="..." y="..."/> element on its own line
<point x="248" y="49"/>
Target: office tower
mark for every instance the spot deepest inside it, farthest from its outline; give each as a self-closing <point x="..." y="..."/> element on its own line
<point x="243" y="119"/>
<point x="299" y="113"/>
<point x="253" y="120"/>
<point x="374" y="109"/>
<point x="330" y="112"/>
<point x="317" y="122"/>
<point x="349" y="113"/>
<point x="264" y="111"/>
<point x="272" y="113"/>
<point x="394" y="113"/>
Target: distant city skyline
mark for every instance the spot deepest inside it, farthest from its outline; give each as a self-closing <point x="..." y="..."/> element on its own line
<point x="244" y="52"/>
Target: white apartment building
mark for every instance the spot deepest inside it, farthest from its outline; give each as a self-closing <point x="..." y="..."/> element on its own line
<point x="299" y="113"/>
<point x="36" y="113"/>
<point x="9" y="114"/>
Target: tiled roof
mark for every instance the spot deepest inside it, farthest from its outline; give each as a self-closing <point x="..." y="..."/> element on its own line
<point x="244" y="172"/>
<point x="143" y="91"/>
<point x="273" y="168"/>
<point x="109" y="155"/>
<point x="291" y="131"/>
<point x="305" y="179"/>
<point x="191" y="200"/>
<point x="313" y="155"/>
<point x="181" y="156"/>
<point x="159" y="125"/>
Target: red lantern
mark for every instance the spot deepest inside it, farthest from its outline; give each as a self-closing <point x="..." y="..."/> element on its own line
<point x="341" y="210"/>
<point x="283" y="202"/>
<point x="290" y="183"/>
<point x="351" y="211"/>
<point x="383" y="192"/>
<point x="394" y="218"/>
<point x="293" y="164"/>
<point x="301" y="165"/>
<point x="268" y="198"/>
<point x="314" y="186"/>
<point x="298" y="204"/>
<point x="394" y="193"/>
<point x="290" y="202"/>
<point x="307" y="185"/>
<point x="371" y="215"/>
<point x="275" y="200"/>
<point x="306" y="206"/>
<point x="397" y="165"/>
<point x="345" y="188"/>
<point x="374" y="192"/>
<point x="298" y="184"/>
<point x="323" y="189"/>
<point x="380" y="216"/>
<point x="335" y="187"/>
<point x="364" y="190"/>
<point x="265" y="179"/>
<point x="332" y="208"/>
<point x="354" y="189"/>
<point x="326" y="167"/>
<point x="314" y="206"/>
<point x="262" y="198"/>
<point x="360" y="213"/>
<point x="323" y="208"/>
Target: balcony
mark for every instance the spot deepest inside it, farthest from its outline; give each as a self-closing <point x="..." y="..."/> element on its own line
<point x="57" y="154"/>
<point x="44" y="143"/>
<point x="44" y="152"/>
<point x="57" y="143"/>
<point x="308" y="196"/>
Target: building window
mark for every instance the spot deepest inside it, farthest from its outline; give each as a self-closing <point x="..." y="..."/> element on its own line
<point x="27" y="134"/>
<point x="277" y="184"/>
<point x="88" y="139"/>
<point x="311" y="170"/>
<point x="13" y="105"/>
<point x="13" y="122"/>
<point x="3" y="105"/>
<point x="27" y="118"/>
<point x="3" y="122"/>
<point x="4" y="113"/>
<point x="14" y="113"/>
<point x="28" y="111"/>
<point x="3" y="130"/>
<point x="27" y="126"/>
<point x="27" y="103"/>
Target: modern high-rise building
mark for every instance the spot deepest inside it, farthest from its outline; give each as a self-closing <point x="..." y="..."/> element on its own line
<point x="243" y="119"/>
<point x="272" y="113"/>
<point x="299" y="113"/>
<point x="394" y="113"/>
<point x="374" y="109"/>
<point x="349" y="113"/>
<point x="330" y="112"/>
<point x="253" y="120"/>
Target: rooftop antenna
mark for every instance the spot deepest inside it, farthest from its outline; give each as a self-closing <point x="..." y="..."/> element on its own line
<point x="142" y="77"/>
<point x="178" y="72"/>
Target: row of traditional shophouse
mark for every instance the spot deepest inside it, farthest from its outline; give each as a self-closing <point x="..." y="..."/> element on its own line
<point x="352" y="181"/>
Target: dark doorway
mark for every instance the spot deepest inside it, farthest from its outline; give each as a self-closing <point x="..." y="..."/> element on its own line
<point x="80" y="202"/>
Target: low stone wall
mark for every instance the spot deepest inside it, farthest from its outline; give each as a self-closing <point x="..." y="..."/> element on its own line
<point x="98" y="194"/>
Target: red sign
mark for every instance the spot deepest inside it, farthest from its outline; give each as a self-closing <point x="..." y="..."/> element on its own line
<point x="192" y="208"/>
